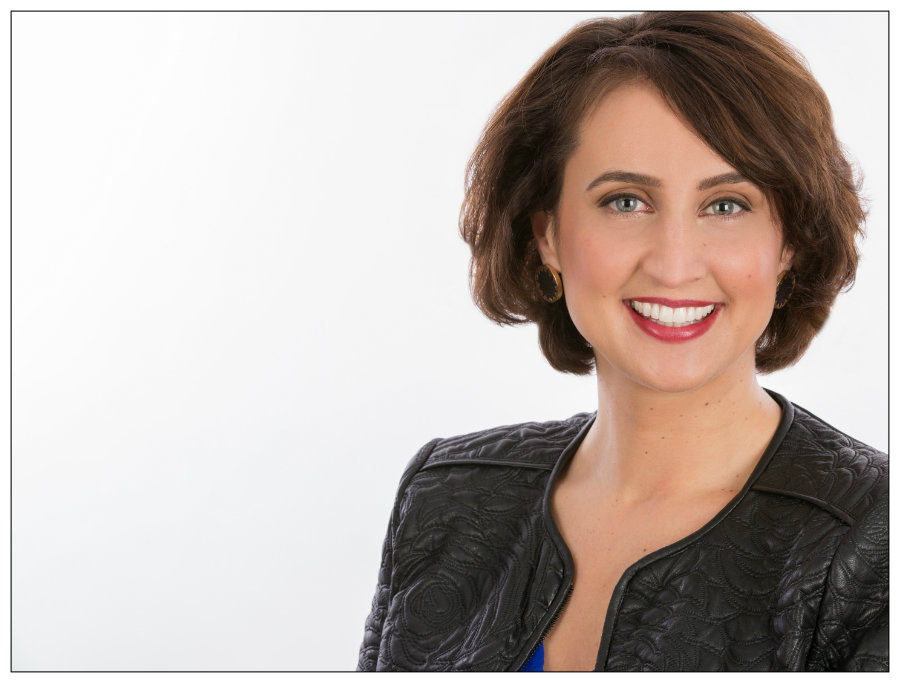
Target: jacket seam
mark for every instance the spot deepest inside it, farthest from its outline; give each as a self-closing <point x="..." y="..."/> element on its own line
<point x="573" y="428"/>
<point x="416" y="465"/>
<point x="412" y="469"/>
<point x="835" y="511"/>
<point x="829" y="650"/>
<point x="487" y="461"/>
<point x="826" y="651"/>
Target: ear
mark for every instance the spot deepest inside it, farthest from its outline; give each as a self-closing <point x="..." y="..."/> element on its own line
<point x="544" y="231"/>
<point x="787" y="258"/>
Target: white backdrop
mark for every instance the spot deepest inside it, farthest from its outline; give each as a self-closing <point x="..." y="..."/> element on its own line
<point x="239" y="305"/>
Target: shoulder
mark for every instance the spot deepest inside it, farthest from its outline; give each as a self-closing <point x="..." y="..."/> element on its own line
<point x="821" y="464"/>
<point x="527" y="444"/>
<point x="827" y="493"/>
<point x="849" y="479"/>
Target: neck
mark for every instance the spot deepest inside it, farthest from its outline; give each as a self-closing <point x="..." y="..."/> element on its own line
<point x="647" y="443"/>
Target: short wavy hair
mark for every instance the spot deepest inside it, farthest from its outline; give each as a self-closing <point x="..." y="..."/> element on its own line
<point x="747" y="93"/>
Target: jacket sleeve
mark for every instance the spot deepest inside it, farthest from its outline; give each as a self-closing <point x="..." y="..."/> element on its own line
<point x="854" y="619"/>
<point x="371" y="645"/>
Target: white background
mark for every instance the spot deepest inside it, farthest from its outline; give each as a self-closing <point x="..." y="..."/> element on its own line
<point x="239" y="305"/>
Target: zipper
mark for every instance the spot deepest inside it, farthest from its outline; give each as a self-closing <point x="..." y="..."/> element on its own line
<point x="549" y="626"/>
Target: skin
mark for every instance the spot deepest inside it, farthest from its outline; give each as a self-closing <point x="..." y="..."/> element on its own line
<point x="679" y="427"/>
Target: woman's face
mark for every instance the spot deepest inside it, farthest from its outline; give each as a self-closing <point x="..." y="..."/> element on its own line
<point x="650" y="217"/>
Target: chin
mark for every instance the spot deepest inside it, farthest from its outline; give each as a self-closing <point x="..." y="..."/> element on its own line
<point x="673" y="385"/>
<point x="673" y="380"/>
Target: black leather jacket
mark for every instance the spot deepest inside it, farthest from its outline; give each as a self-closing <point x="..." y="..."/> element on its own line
<point x="791" y="575"/>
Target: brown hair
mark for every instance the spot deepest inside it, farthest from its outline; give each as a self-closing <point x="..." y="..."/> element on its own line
<point x="741" y="88"/>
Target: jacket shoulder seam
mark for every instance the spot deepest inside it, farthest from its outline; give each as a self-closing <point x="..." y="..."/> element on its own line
<point x="835" y="511"/>
<point x="516" y="445"/>
<point x="487" y="461"/>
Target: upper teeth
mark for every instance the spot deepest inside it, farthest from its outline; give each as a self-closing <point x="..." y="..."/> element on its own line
<point x="672" y="317"/>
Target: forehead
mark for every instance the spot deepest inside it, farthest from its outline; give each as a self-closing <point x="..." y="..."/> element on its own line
<point x="633" y="124"/>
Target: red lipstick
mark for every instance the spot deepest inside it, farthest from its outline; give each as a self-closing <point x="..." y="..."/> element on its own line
<point x="674" y="335"/>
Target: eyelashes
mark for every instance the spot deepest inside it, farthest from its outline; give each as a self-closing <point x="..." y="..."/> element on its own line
<point x="625" y="203"/>
<point x="723" y="203"/>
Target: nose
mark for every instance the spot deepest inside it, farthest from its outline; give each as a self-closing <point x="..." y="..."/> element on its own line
<point x="674" y="253"/>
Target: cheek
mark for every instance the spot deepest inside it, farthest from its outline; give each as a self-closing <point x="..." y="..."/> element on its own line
<point x="749" y="271"/>
<point x="594" y="268"/>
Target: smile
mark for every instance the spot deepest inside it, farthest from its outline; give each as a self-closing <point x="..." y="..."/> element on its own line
<point x="673" y="322"/>
<point x="671" y="317"/>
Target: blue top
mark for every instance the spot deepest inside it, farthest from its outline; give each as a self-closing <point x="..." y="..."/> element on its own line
<point x="536" y="661"/>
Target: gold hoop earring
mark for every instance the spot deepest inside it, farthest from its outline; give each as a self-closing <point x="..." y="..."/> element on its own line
<point x="784" y="288"/>
<point x="549" y="283"/>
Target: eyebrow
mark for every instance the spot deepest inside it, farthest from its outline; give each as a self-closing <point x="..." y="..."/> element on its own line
<point x="722" y="179"/>
<point x="650" y="181"/>
<point x="624" y="177"/>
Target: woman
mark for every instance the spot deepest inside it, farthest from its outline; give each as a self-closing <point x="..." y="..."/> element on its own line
<point x="664" y="195"/>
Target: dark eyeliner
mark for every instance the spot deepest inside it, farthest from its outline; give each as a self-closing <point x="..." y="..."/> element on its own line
<point x="733" y="200"/>
<point x="606" y="201"/>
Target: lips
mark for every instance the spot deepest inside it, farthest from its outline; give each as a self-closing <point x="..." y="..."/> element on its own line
<point x="673" y="321"/>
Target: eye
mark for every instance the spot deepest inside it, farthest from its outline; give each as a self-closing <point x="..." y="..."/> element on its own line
<point x="624" y="203"/>
<point x="726" y="206"/>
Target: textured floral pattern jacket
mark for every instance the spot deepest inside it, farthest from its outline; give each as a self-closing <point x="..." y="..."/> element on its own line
<point x="791" y="575"/>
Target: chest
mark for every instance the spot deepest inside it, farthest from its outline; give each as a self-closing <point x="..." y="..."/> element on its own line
<point x="471" y="595"/>
<point x="605" y="540"/>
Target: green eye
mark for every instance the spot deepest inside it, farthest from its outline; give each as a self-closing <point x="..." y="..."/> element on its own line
<point x="726" y="207"/>
<point x="626" y="204"/>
